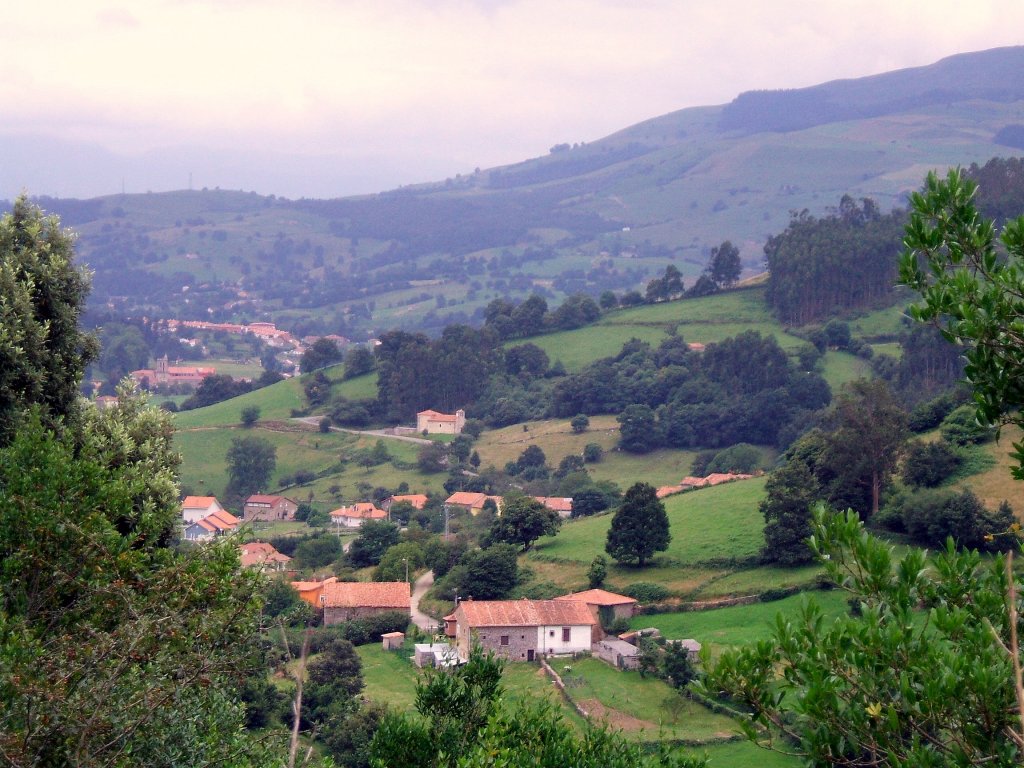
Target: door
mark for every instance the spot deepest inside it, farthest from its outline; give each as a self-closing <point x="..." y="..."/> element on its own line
<point x="529" y="654"/>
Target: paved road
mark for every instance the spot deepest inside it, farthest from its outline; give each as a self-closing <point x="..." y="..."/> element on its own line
<point x="315" y="421"/>
<point x="420" y="619"/>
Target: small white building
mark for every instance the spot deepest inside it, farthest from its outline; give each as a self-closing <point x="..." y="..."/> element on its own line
<point x="355" y="515"/>
<point x="195" y="508"/>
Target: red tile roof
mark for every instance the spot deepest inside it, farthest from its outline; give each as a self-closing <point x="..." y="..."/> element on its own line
<point x="523" y="613"/>
<point x="367" y="594"/>
<point x="259" y="552"/>
<point x="598" y="597"/>
<point x="556" y="503"/>
<point x="225" y="517"/>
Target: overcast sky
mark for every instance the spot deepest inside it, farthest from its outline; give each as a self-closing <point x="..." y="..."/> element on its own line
<point x="331" y="97"/>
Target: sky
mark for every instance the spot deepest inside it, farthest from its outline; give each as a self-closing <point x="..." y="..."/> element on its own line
<point x="323" y="98"/>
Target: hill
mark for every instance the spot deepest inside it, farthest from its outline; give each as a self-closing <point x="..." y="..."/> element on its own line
<point x="590" y="217"/>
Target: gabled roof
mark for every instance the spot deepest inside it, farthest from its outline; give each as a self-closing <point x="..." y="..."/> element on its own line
<point x="224" y="517"/>
<point x="523" y="613"/>
<point x="472" y="500"/>
<point x="367" y="594"/>
<point x="259" y="552"/>
<point x="260" y="498"/>
<point x="556" y="503"/>
<point x="363" y="510"/>
<point x="435" y="416"/>
<point x="306" y="586"/>
<point x="199" y="502"/>
<point x="598" y="597"/>
<point x="418" y="500"/>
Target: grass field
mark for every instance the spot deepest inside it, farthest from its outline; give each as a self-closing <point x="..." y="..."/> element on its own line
<point x="644" y="708"/>
<point x="741" y="624"/>
<point x="275" y="402"/>
<point x="707" y="524"/>
<point x="996" y="484"/>
<point x="838" y="368"/>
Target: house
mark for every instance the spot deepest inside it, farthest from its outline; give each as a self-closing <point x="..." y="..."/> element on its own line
<point x="418" y="501"/>
<point x="170" y="374"/>
<point x="520" y="630"/>
<point x="310" y="591"/>
<point x="470" y="502"/>
<point x="217" y="524"/>
<point x="435" y="423"/>
<point x="195" y="508"/>
<point x="260" y="554"/>
<point x="347" y="600"/>
<point x="560" y="504"/>
<point x="355" y="515"/>
<point x="267" y="508"/>
<point x="604" y="606"/>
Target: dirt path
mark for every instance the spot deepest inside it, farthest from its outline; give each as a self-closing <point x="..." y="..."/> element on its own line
<point x="315" y="421"/>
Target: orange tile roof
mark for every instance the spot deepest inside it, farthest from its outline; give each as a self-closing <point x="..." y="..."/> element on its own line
<point x="466" y="499"/>
<point x="199" y="502"/>
<point x="225" y="517"/>
<point x="598" y="597"/>
<point x="694" y="482"/>
<point x="367" y="594"/>
<point x="364" y="510"/>
<point x="669" y="490"/>
<point x="717" y="478"/>
<point x="523" y="613"/>
<point x="418" y="500"/>
<point x="436" y="416"/>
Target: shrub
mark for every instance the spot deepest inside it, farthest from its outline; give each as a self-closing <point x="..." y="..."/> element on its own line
<point x="646" y="592"/>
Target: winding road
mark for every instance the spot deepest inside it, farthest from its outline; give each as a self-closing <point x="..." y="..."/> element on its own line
<point x="426" y="623"/>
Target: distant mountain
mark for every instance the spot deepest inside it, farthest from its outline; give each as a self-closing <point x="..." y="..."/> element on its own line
<point x="590" y="217"/>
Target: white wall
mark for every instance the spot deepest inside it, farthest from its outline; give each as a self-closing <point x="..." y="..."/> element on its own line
<point x="579" y="639"/>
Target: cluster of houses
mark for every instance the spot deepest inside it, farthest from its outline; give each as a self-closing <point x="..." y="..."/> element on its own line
<point x="204" y="517"/>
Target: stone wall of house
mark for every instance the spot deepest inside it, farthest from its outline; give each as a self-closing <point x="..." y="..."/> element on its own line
<point x="520" y="641"/>
<point x="338" y="615"/>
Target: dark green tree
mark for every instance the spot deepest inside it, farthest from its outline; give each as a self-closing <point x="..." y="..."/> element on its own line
<point x="638" y="430"/>
<point x="597" y="572"/>
<point x="250" y="415"/>
<point x="43" y="354"/>
<point x="358" y="360"/>
<point x="724" y="266"/>
<point x="792" y="490"/>
<point x="522" y="521"/>
<point x="375" y="538"/>
<point x="972" y="286"/>
<point x="320" y="354"/>
<point x="640" y="527"/>
<point x="251" y="462"/>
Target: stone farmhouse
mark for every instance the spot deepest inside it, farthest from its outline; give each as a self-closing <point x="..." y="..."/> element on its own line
<point x="522" y="630"/>
<point x="261" y="554"/>
<point x="434" y="423"/>
<point x="268" y="508"/>
<point x="347" y="600"/>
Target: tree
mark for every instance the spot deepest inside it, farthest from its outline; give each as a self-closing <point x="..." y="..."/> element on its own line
<point x="791" y="490"/>
<point x="580" y="423"/>
<point x="358" y="361"/>
<point x="927" y="465"/>
<point x="598" y="572"/>
<point x="485" y="574"/>
<point x="879" y="686"/>
<point x="869" y="436"/>
<point x="523" y="520"/>
<point x="374" y="539"/>
<point x="588" y="501"/>
<point x="250" y="415"/>
<point x="638" y="431"/>
<point x="251" y="461"/>
<point x="592" y="453"/>
<point x="972" y="287"/>
<point x="640" y="527"/>
<point x="43" y="353"/>
<point x="724" y="266"/>
<point x="320" y="354"/>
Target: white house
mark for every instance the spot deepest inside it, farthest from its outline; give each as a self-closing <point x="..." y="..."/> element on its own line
<point x="355" y="515"/>
<point x="195" y="508"/>
<point x="433" y="422"/>
<point x="520" y="630"/>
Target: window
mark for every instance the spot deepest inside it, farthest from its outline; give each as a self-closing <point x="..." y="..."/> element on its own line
<point x="504" y="639"/>
<point x="566" y="634"/>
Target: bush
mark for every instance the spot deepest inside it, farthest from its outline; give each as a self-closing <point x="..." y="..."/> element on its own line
<point x="961" y="427"/>
<point x="367" y="631"/>
<point x="742" y="458"/>
<point x="929" y="464"/>
<point x="592" y="453"/>
<point x="646" y="592"/>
